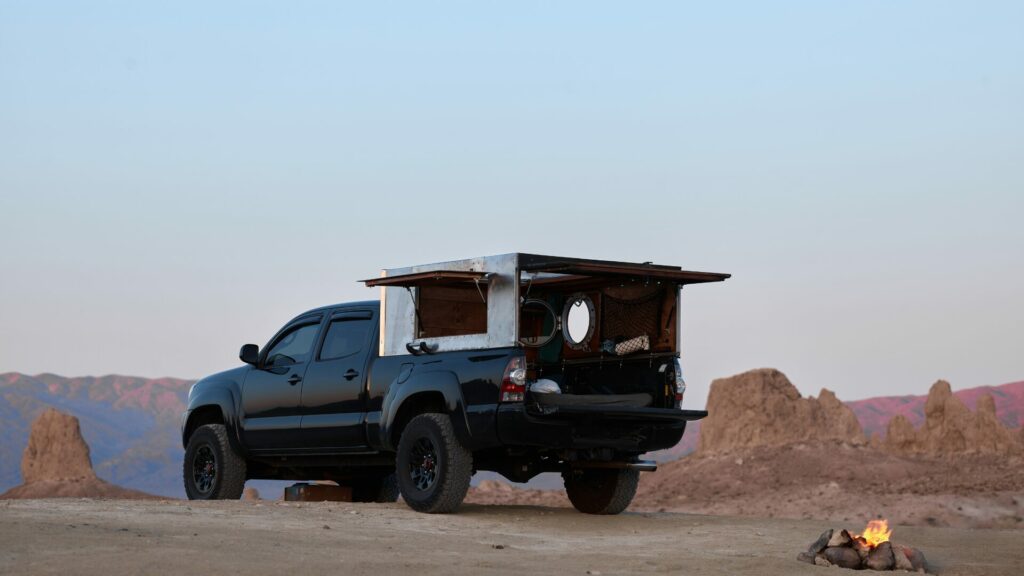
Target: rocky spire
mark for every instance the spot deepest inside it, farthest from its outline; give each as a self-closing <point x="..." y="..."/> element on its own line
<point x="951" y="428"/>
<point x="56" y="449"/>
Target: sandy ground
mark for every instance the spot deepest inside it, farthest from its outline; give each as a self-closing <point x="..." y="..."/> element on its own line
<point x="112" y="537"/>
<point x="834" y="481"/>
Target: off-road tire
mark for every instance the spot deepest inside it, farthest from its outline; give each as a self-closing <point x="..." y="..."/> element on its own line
<point x="229" y="478"/>
<point x="601" y="490"/>
<point x="453" y="465"/>
<point x="383" y="489"/>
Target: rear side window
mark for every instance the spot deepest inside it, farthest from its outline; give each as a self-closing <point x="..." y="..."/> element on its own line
<point x="345" y="337"/>
<point x="294" y="347"/>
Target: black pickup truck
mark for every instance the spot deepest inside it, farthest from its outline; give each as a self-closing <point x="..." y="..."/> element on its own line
<point x="517" y="364"/>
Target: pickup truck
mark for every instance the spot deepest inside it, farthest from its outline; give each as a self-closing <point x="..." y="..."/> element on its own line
<point x="517" y="364"/>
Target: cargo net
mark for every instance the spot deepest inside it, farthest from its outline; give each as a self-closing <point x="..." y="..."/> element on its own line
<point x="624" y="319"/>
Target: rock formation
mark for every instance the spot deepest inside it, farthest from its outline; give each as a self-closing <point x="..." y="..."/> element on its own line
<point x="56" y="450"/>
<point x="951" y="428"/>
<point x="56" y="464"/>
<point x="901" y="436"/>
<point x="947" y="423"/>
<point x="763" y="408"/>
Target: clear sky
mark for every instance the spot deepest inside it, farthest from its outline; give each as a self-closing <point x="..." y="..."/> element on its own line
<point x="179" y="179"/>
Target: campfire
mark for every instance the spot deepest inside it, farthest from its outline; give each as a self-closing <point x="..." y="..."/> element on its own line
<point x="872" y="549"/>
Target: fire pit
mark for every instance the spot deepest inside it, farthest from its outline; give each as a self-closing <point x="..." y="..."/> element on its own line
<point x="871" y="550"/>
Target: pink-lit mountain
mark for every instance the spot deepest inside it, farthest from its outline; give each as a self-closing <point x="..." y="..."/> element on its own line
<point x="874" y="413"/>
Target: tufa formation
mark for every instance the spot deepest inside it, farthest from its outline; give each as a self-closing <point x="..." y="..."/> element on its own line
<point x="763" y="408"/>
<point x="56" y="450"/>
<point x="56" y="464"/>
<point x="951" y="428"/>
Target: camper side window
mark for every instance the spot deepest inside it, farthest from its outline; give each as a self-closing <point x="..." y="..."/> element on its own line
<point x="453" y="310"/>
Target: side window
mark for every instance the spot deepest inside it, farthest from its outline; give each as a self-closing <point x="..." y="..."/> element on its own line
<point x="292" y="348"/>
<point x="345" y="337"/>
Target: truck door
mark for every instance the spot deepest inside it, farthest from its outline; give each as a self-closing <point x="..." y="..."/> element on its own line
<point x="334" y="390"/>
<point x="270" y="416"/>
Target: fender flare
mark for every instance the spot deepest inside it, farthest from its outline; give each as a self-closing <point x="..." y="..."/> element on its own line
<point x="444" y="382"/>
<point x="225" y="398"/>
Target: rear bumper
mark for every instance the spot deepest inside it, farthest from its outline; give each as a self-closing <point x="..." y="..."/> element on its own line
<point x="624" y="428"/>
<point x="625" y="414"/>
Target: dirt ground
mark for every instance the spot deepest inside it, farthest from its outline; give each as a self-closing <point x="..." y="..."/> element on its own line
<point x="844" y="484"/>
<point x="112" y="537"/>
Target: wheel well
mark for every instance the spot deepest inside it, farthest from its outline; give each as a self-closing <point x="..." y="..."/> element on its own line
<point x="201" y="416"/>
<point x="413" y="406"/>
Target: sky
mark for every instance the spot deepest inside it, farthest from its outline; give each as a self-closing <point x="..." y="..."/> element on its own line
<point x="179" y="179"/>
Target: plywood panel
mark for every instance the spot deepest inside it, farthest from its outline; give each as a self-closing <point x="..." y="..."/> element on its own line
<point x="451" y="311"/>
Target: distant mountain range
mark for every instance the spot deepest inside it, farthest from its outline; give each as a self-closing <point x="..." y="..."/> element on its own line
<point x="132" y="425"/>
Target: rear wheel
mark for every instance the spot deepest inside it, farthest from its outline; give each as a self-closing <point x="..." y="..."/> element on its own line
<point x="432" y="467"/>
<point x="212" y="470"/>
<point x="383" y="489"/>
<point x="601" y="490"/>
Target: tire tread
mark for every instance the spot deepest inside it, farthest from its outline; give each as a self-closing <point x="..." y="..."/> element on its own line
<point x="231" y="471"/>
<point x="589" y="499"/>
<point x="455" y="480"/>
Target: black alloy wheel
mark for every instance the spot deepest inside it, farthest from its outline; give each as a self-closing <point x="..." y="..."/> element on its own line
<point x="204" y="469"/>
<point x="212" y="469"/>
<point x="432" y="467"/>
<point x="423" y="464"/>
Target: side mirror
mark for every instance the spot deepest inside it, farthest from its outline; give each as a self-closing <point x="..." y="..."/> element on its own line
<point x="250" y="354"/>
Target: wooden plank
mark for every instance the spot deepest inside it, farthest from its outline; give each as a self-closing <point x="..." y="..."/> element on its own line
<point x="451" y="311"/>
<point x="632" y="271"/>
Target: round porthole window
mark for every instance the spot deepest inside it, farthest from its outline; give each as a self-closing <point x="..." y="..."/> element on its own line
<point x="579" y="319"/>
<point x="537" y="323"/>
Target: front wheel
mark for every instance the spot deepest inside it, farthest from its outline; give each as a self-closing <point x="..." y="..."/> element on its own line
<point x="381" y="489"/>
<point x="432" y="466"/>
<point x="212" y="470"/>
<point x="601" y="490"/>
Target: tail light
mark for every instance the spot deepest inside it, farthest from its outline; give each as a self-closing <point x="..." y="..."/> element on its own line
<point x="513" y="383"/>
<point x="680" y="384"/>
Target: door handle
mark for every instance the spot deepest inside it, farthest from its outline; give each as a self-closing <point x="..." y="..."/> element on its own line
<point x="295" y="379"/>
<point x="351" y="374"/>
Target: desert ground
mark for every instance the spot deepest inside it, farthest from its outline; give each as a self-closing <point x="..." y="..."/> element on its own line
<point x="772" y="472"/>
<point x="111" y="537"/>
<point x="834" y="482"/>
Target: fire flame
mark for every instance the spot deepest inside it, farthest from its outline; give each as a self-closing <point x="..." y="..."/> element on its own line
<point x="876" y="533"/>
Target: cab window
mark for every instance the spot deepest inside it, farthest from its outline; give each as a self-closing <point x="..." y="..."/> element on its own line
<point x="345" y="337"/>
<point x="293" y="347"/>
